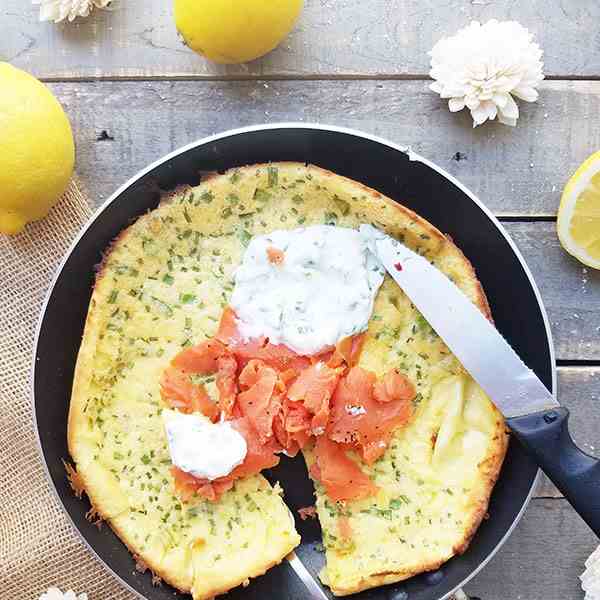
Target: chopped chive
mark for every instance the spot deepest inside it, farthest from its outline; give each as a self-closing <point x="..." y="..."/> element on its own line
<point x="342" y="205"/>
<point x="166" y="308"/>
<point x="261" y="195"/>
<point x="187" y="298"/>
<point x="244" y="236"/>
<point x="273" y="173"/>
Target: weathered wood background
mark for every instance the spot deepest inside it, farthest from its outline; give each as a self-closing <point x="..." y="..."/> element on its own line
<point x="134" y="92"/>
<point x="334" y="38"/>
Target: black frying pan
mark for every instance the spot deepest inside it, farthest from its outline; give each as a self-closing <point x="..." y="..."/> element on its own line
<point x="514" y="298"/>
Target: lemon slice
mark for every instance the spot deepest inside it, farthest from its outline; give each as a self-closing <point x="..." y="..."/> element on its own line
<point x="579" y="213"/>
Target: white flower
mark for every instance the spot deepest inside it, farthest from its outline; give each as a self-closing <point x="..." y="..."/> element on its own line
<point x="59" y="10"/>
<point x="483" y="66"/>
<point x="55" y="594"/>
<point x="590" y="580"/>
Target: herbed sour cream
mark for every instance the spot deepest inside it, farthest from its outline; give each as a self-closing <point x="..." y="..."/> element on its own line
<point x="307" y="288"/>
<point x="201" y="448"/>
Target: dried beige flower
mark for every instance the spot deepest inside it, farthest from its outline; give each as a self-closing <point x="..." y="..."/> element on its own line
<point x="55" y="594"/>
<point x="59" y="10"/>
<point x="590" y="580"/>
<point x="482" y="67"/>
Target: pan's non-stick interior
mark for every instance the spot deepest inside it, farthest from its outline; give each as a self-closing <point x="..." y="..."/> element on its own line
<point x="516" y="310"/>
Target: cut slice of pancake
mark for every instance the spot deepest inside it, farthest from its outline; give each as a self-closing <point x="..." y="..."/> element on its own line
<point x="163" y="286"/>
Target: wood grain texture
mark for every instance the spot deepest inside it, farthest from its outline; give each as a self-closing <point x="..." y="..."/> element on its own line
<point x="570" y="290"/>
<point x="515" y="171"/>
<point x="542" y="559"/>
<point x="333" y="38"/>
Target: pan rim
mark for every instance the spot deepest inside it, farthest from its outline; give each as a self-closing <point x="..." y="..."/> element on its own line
<point x="412" y="156"/>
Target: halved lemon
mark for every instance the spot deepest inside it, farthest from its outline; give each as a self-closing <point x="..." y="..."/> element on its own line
<point x="578" y="222"/>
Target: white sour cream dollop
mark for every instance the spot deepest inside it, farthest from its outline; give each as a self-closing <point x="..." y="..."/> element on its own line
<point x="321" y="292"/>
<point x="203" y="449"/>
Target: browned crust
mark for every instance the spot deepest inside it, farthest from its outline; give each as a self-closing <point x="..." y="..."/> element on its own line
<point x="493" y="462"/>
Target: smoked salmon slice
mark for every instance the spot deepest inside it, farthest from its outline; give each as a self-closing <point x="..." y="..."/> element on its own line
<point x="314" y="387"/>
<point x="359" y="418"/>
<point x="202" y="358"/>
<point x="307" y="512"/>
<point x="292" y="426"/>
<point x="227" y="368"/>
<point x="347" y="351"/>
<point x="341" y="477"/>
<point x="212" y="356"/>
<point x="228" y="332"/>
<point x="258" y="401"/>
<point x="259" y="456"/>
<point x="178" y="391"/>
<point x="394" y="387"/>
<point x="353" y="397"/>
<point x="278" y="356"/>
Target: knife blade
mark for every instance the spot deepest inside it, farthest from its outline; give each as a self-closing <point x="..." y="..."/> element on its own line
<point x="495" y="366"/>
<point x="314" y="590"/>
<point x="531" y="411"/>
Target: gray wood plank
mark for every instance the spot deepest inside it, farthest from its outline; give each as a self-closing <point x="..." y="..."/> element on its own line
<point x="517" y="171"/>
<point x="570" y="291"/>
<point x="542" y="559"/>
<point x="333" y="38"/>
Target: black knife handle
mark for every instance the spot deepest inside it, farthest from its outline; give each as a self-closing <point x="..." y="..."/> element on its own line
<point x="545" y="435"/>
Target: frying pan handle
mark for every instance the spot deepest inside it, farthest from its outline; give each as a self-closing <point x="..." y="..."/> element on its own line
<point x="545" y="435"/>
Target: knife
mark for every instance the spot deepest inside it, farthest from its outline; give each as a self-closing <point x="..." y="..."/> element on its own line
<point x="313" y="589"/>
<point x="532" y="413"/>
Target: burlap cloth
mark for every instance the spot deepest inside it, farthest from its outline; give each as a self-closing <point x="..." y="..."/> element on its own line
<point x="38" y="546"/>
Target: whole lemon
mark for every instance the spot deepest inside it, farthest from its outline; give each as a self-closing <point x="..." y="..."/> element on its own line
<point x="235" y="31"/>
<point x="37" y="152"/>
